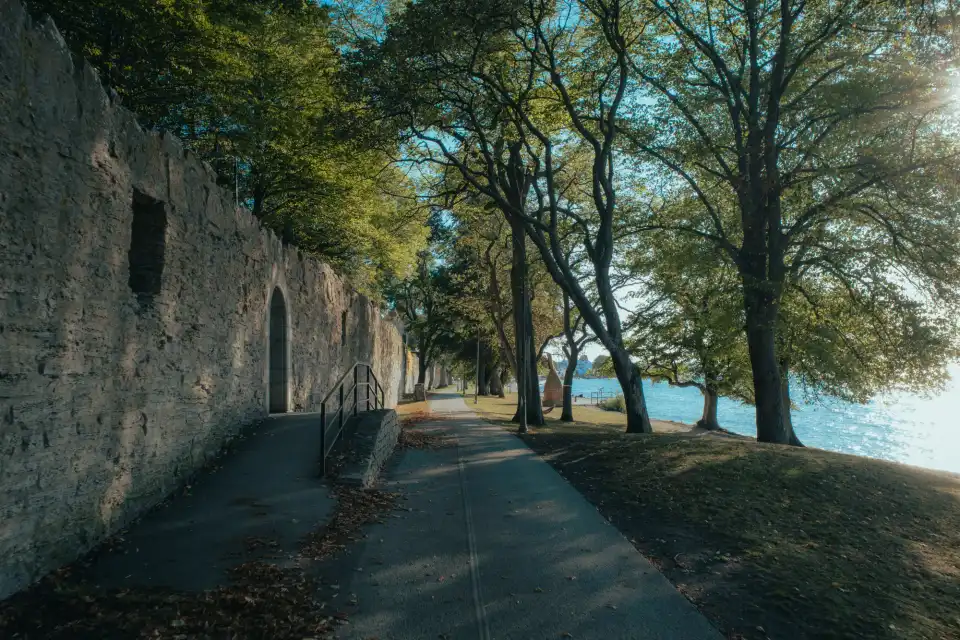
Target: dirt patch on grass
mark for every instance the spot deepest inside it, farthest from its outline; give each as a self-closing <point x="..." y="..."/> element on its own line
<point x="263" y="601"/>
<point x="779" y="542"/>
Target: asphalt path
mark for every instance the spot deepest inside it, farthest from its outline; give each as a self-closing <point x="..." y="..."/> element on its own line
<point x="492" y="543"/>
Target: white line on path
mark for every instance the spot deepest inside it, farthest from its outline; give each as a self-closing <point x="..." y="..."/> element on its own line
<point x="483" y="626"/>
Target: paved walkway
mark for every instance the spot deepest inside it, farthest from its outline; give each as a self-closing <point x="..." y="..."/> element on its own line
<point x="263" y="499"/>
<point x="496" y="545"/>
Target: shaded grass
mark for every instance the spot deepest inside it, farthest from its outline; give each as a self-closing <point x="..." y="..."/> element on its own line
<point x="778" y="542"/>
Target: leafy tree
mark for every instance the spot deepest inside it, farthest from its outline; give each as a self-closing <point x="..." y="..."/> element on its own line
<point x="423" y="303"/>
<point x="517" y="101"/>
<point x="819" y="142"/>
<point x="145" y="50"/>
<point x="483" y="258"/>
<point x="688" y="331"/>
<point x="601" y="366"/>
<point x="255" y="88"/>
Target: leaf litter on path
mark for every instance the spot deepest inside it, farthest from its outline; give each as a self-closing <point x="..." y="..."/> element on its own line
<point x="262" y="601"/>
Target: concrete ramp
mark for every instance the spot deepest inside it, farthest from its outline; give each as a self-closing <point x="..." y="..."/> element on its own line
<point x="257" y="502"/>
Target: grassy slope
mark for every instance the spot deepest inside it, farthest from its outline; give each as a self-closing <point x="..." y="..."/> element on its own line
<point x="774" y="541"/>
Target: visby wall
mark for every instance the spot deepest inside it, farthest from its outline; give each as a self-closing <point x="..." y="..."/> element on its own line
<point x="135" y="311"/>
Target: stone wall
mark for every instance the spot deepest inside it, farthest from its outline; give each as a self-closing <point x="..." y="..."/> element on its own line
<point x="373" y="442"/>
<point x="135" y="298"/>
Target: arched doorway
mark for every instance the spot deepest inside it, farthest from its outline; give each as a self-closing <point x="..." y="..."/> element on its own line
<point x="278" y="353"/>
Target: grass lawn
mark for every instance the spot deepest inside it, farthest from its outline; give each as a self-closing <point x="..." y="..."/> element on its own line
<point x="501" y="410"/>
<point x="409" y="408"/>
<point x="771" y="541"/>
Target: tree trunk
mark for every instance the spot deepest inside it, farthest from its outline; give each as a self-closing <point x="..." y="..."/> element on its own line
<point x="523" y="325"/>
<point x="497" y="315"/>
<point x="259" y="195"/>
<point x="628" y="375"/>
<point x="483" y="385"/>
<point x="422" y="372"/>
<point x="567" y="415"/>
<point x="489" y="370"/>
<point x="709" y="419"/>
<point x="483" y="389"/>
<point x="534" y="405"/>
<point x="502" y="377"/>
<point x="572" y="352"/>
<point x="496" y="388"/>
<point x="787" y="419"/>
<point x="761" y="316"/>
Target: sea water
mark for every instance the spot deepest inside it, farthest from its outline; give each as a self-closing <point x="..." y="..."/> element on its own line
<point x="908" y="428"/>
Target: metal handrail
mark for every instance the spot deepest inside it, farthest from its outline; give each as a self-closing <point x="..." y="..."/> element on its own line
<point x="598" y="396"/>
<point x="371" y="384"/>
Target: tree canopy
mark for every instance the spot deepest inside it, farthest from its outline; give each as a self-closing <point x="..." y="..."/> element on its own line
<point x="256" y="88"/>
<point x="754" y="197"/>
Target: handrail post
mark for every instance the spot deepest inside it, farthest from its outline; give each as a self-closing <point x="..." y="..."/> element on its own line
<point x="377" y="402"/>
<point x="323" y="439"/>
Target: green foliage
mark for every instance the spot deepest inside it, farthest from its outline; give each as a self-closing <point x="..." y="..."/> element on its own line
<point x="481" y="249"/>
<point x="688" y="328"/>
<point x="813" y="146"/>
<point x="785" y="167"/>
<point x="615" y="403"/>
<point x="255" y="88"/>
<point x="424" y="302"/>
<point x="602" y="367"/>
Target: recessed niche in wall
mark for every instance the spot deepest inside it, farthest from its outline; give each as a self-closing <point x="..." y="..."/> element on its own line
<point x="147" y="245"/>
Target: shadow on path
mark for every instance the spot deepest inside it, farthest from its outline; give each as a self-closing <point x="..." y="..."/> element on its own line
<point x="257" y="502"/>
<point x="493" y="543"/>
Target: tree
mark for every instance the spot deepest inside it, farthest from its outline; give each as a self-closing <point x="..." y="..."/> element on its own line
<point x="818" y="140"/>
<point x="145" y="50"/>
<point x="688" y="331"/>
<point x="255" y="89"/>
<point x="576" y="338"/>
<point x="516" y="102"/>
<point x="483" y="259"/>
<point x="600" y="366"/>
<point x="423" y="304"/>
